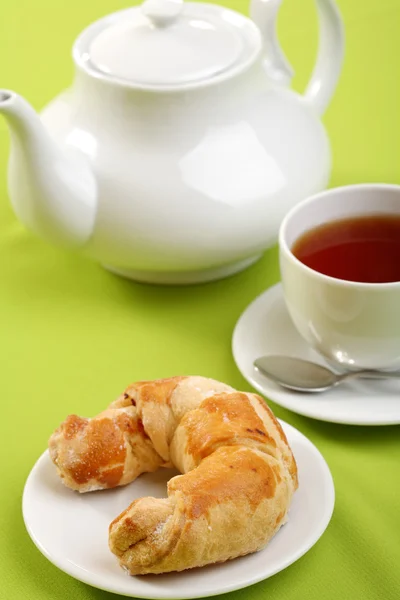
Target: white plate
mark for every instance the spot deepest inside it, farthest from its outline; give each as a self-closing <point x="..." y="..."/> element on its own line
<point x="265" y="327"/>
<point x="71" y="530"/>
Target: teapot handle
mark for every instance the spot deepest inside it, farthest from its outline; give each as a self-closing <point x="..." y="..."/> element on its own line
<point x="330" y="52"/>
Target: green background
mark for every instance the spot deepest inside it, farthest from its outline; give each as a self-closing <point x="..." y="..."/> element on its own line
<point x="73" y="335"/>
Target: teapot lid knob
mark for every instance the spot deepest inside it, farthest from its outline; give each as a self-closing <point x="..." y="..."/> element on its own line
<point x="162" y="12"/>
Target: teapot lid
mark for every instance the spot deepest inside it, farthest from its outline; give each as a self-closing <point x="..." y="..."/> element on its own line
<point x="168" y="43"/>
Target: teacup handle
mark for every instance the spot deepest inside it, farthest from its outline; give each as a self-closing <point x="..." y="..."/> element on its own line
<point x="330" y="52"/>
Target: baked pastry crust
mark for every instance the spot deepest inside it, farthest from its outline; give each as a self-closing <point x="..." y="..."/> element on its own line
<point x="238" y="471"/>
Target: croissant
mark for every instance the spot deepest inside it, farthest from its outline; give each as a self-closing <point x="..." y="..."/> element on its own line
<point x="239" y="473"/>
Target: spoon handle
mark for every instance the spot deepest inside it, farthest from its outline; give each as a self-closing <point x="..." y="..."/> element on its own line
<point x="370" y="374"/>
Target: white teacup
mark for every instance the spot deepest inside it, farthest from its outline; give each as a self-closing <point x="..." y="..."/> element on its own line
<point x="354" y="325"/>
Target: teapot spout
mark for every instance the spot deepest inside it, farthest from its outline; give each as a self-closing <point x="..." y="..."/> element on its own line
<point x="52" y="189"/>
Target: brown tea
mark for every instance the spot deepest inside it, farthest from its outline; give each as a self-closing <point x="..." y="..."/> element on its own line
<point x="363" y="249"/>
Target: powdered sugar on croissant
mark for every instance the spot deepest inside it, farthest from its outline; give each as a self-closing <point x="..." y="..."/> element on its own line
<point x="238" y="479"/>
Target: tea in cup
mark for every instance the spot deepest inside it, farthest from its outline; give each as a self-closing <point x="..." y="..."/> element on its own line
<point x="340" y="269"/>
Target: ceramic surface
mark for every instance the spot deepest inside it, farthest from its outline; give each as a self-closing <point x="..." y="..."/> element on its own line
<point x="265" y="327"/>
<point x="355" y="325"/>
<point x="71" y="530"/>
<point x="178" y="168"/>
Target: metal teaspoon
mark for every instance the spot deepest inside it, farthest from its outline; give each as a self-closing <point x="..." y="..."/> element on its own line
<point x="305" y="376"/>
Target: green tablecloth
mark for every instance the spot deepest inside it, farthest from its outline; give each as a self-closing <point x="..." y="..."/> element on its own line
<point x="72" y="335"/>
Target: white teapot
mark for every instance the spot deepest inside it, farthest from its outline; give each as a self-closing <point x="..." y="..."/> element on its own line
<point x="180" y="147"/>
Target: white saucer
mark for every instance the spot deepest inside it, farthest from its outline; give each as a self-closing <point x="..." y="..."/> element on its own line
<point x="266" y="328"/>
<point x="71" y="530"/>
